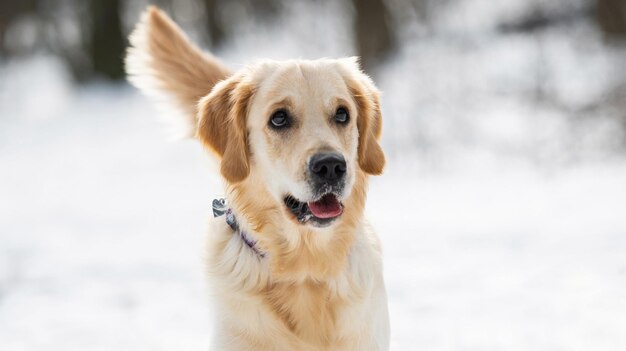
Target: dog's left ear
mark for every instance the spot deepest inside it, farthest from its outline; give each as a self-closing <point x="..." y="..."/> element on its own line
<point x="222" y="125"/>
<point x="369" y="119"/>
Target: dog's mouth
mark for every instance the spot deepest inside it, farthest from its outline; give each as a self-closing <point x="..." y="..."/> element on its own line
<point x="320" y="212"/>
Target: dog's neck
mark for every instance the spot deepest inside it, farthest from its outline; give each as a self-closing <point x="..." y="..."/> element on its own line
<point x="220" y="208"/>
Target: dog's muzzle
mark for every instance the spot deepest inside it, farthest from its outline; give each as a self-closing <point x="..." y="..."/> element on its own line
<point x="327" y="178"/>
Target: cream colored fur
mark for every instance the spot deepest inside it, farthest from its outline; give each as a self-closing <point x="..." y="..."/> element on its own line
<point x="315" y="288"/>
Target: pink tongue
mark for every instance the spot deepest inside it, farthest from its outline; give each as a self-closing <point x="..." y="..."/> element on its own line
<point x="326" y="207"/>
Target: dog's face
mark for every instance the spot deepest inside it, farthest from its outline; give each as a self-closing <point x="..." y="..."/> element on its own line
<point x="302" y="128"/>
<point x="304" y="138"/>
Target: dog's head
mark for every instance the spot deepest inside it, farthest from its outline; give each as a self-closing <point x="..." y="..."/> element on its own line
<point x="304" y="129"/>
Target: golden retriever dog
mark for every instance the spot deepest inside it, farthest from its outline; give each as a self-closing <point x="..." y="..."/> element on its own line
<point x="293" y="264"/>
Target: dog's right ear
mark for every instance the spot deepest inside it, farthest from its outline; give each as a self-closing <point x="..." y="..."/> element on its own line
<point x="222" y="127"/>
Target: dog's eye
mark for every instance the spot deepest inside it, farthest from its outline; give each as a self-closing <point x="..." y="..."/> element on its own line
<point x="280" y="119"/>
<point x="342" y="116"/>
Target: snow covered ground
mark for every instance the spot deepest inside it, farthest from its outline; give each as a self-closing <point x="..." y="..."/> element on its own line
<point x="503" y="223"/>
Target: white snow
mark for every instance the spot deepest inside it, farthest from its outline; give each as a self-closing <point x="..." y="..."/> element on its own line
<point x="503" y="221"/>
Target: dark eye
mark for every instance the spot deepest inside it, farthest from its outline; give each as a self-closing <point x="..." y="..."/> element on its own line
<point x="279" y="120"/>
<point x="342" y="116"/>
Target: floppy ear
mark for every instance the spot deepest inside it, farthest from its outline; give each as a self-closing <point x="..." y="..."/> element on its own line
<point x="222" y="126"/>
<point x="369" y="123"/>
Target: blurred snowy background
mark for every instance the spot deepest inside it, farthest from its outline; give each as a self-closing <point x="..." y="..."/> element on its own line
<point x="502" y="210"/>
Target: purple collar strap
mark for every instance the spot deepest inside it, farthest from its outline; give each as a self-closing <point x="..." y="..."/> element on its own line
<point x="219" y="209"/>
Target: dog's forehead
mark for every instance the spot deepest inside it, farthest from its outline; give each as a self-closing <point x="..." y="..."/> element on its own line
<point x="313" y="80"/>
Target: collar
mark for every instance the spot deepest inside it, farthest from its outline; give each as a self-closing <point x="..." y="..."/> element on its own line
<point x="219" y="209"/>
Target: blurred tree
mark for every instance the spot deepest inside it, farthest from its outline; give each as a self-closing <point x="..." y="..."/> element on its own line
<point x="214" y="27"/>
<point x="106" y="43"/>
<point x="612" y="17"/>
<point x="375" y="38"/>
<point x="10" y="11"/>
<point x="539" y="19"/>
<point x="220" y="23"/>
<point x="101" y="46"/>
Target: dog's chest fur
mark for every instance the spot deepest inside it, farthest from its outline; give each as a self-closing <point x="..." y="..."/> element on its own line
<point x="308" y="309"/>
<point x="335" y="314"/>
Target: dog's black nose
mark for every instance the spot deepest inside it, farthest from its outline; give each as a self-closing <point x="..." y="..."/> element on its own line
<point x="327" y="167"/>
